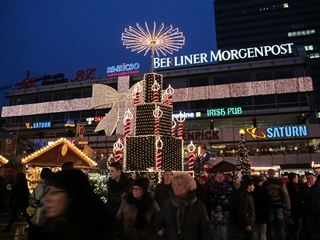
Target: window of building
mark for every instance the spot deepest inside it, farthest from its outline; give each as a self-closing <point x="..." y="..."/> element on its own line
<point x="198" y="81"/>
<point x="43" y="118"/>
<point x="87" y="92"/>
<point x="197" y="105"/>
<point x="74" y="94"/>
<point x="58" y="118"/>
<point x="264" y="76"/>
<point x="220" y="103"/>
<point x="240" y="77"/>
<point x="267" y="100"/>
<point x="17" y="101"/>
<point x="31" y="99"/>
<point x="284" y="73"/>
<point x="175" y="83"/>
<point x="181" y="106"/>
<point x="75" y="116"/>
<point x="224" y="79"/>
<point x="59" y="96"/>
<point x="45" y="97"/>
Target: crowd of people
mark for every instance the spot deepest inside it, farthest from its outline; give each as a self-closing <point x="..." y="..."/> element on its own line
<point x="179" y="207"/>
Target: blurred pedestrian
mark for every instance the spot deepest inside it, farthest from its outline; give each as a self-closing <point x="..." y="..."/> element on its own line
<point x="246" y="209"/>
<point x="36" y="200"/>
<point x="296" y="207"/>
<point x="182" y="216"/>
<point x="234" y="205"/>
<point x="19" y="200"/>
<point x="203" y="194"/>
<point x="2" y="190"/>
<point x="67" y="165"/>
<point x="310" y="195"/>
<point x="73" y="210"/>
<point x="164" y="189"/>
<point x="278" y="206"/>
<point x="137" y="213"/>
<point x="260" y="199"/>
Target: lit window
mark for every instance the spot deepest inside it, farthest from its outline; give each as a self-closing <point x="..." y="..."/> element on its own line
<point x="313" y="31"/>
<point x="290" y="34"/>
<point x="285" y="5"/>
<point x="316" y="55"/>
<point x="299" y="33"/>
<point x="303" y="32"/>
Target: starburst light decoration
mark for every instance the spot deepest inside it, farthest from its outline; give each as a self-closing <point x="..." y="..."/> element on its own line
<point x="162" y="40"/>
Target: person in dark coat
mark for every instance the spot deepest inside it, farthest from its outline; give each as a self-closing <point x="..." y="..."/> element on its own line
<point x="2" y="189"/>
<point x="19" y="200"/>
<point x="163" y="189"/>
<point x="72" y="209"/>
<point x="234" y="205"/>
<point x="137" y="213"/>
<point x="119" y="185"/>
<point x="296" y="207"/>
<point x="203" y="193"/>
<point x="310" y="195"/>
<point x="182" y="216"/>
<point x="246" y="209"/>
<point x="260" y="199"/>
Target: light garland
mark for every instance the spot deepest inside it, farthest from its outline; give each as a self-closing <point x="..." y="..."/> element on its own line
<point x="269" y="87"/>
<point x="173" y="128"/>
<point x="47" y="148"/>
<point x="169" y="91"/>
<point x="155" y="88"/>
<point x="159" y="146"/>
<point x="136" y="94"/>
<point x="126" y="121"/>
<point x="157" y="113"/>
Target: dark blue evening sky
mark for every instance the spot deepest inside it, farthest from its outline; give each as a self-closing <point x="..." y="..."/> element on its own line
<point x="64" y="36"/>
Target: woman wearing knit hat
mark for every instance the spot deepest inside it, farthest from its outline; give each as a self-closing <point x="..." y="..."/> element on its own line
<point x="137" y="213"/>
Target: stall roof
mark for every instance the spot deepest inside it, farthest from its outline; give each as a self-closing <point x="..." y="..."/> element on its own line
<point x="228" y="165"/>
<point x="3" y="160"/>
<point x="57" y="153"/>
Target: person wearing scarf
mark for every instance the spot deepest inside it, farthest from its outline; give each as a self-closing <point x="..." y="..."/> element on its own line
<point x="137" y="213"/>
<point x="183" y="216"/>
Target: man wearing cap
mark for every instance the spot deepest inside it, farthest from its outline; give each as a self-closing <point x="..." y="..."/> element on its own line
<point x="278" y="205"/>
<point x="310" y="195"/>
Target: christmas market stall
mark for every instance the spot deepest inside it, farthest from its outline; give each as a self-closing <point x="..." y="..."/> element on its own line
<point x="229" y="166"/>
<point x="3" y="161"/>
<point x="53" y="156"/>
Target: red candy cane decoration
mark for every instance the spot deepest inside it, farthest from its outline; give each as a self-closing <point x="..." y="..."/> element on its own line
<point x="117" y="147"/>
<point x="173" y="127"/>
<point x="136" y="94"/>
<point x="165" y="98"/>
<point x="155" y="88"/>
<point x="159" y="145"/>
<point x="180" y="120"/>
<point x="192" y="155"/>
<point x="126" y="121"/>
<point x="157" y="113"/>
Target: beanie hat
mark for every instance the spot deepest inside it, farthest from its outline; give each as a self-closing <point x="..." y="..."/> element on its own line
<point x="204" y="178"/>
<point x="143" y="183"/>
<point x="257" y="179"/>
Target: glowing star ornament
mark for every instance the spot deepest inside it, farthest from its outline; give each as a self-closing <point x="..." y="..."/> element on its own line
<point x="160" y="40"/>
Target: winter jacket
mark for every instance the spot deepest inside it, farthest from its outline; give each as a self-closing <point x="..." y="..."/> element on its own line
<point x="260" y="199"/>
<point x="162" y="192"/>
<point x="127" y="216"/>
<point x="296" y="203"/>
<point x="246" y="209"/>
<point x="184" y="219"/>
<point x="311" y="198"/>
<point x="278" y="196"/>
<point x="115" y="192"/>
<point x="221" y="195"/>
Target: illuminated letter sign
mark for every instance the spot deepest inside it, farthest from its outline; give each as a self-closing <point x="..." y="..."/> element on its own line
<point x="224" y="55"/>
<point x="184" y="114"/>
<point x="290" y="131"/>
<point x="124" y="69"/>
<point x="42" y="125"/>
<point x="221" y="112"/>
<point x="196" y="135"/>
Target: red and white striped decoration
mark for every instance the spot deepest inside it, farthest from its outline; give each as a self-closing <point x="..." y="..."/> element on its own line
<point x="165" y="98"/>
<point x="127" y="122"/>
<point x="157" y="113"/>
<point x="173" y="127"/>
<point x="117" y="148"/>
<point x="192" y="155"/>
<point x="169" y="92"/>
<point x="159" y="145"/>
<point x="180" y="120"/>
<point x="136" y="94"/>
<point x="155" y="88"/>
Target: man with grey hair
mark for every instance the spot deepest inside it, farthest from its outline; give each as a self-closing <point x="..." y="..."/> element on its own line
<point x="278" y="205"/>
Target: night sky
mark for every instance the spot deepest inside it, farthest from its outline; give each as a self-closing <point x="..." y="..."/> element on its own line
<point x="64" y="36"/>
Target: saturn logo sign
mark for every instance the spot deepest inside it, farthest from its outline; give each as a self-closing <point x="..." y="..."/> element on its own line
<point x="252" y="132"/>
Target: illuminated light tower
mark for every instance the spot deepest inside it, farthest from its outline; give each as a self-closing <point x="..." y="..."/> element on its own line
<point x="243" y="161"/>
<point x="162" y="40"/>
